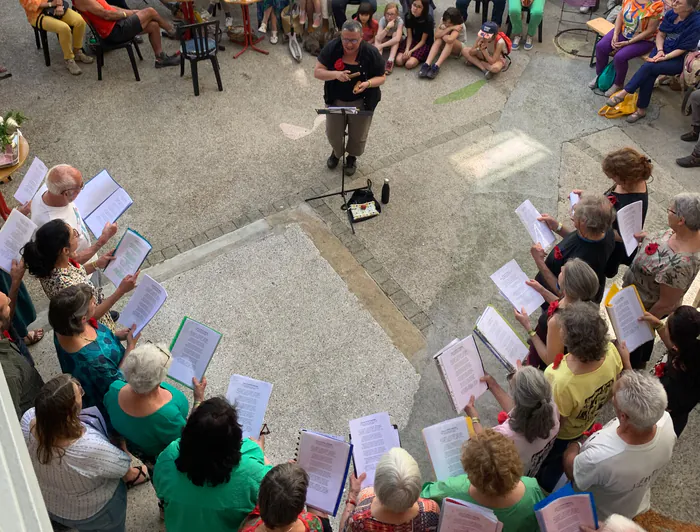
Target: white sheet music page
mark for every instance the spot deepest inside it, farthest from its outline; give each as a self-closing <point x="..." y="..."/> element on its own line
<point x="98" y="189"/>
<point x="625" y="311"/>
<point x="461" y="516"/>
<point x="131" y="251"/>
<point x="462" y="368"/>
<point x="510" y="280"/>
<point x="146" y="301"/>
<point x="372" y="436"/>
<point x="15" y="233"/>
<point x="250" y="397"/>
<point x="110" y="211"/>
<point x="501" y="337"/>
<point x="192" y="351"/>
<point x="444" y="442"/>
<point x="539" y="231"/>
<point x="629" y="221"/>
<point x="31" y="181"/>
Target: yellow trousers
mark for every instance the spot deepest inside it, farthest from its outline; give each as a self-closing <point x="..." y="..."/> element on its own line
<point x="62" y="27"/>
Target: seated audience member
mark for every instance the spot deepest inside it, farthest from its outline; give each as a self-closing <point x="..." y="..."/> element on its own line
<point x="666" y="264"/>
<point x="499" y="7"/>
<point x="393" y="503"/>
<point x="364" y="16"/>
<point x="577" y="282"/>
<point x="420" y="27"/>
<point x="678" y="34"/>
<point x="493" y="480"/>
<point x="619" y="463"/>
<point x="592" y="240"/>
<point x="281" y="503"/>
<point x="489" y="51"/>
<point x="64" y="183"/>
<point x="533" y="418"/>
<point x="80" y="473"/>
<point x="116" y="26"/>
<point x="22" y="311"/>
<point x="680" y="373"/>
<point x="50" y="15"/>
<point x="390" y="34"/>
<point x="515" y="12"/>
<point x="86" y="349"/>
<point x="692" y="160"/>
<point x="51" y="258"/>
<point x="146" y="410"/>
<point x="582" y="381"/>
<point x="23" y="380"/>
<point x="209" y="478"/>
<point x="449" y="40"/>
<point x="633" y="36"/>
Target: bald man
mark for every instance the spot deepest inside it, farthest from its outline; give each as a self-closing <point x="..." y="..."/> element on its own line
<point x="64" y="183"/>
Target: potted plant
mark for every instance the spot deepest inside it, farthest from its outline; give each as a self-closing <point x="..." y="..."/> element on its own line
<point x="9" y="138"/>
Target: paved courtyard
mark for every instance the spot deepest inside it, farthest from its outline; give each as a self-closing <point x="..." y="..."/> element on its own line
<point x="343" y="325"/>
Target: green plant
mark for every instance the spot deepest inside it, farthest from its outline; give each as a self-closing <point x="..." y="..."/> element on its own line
<point x="9" y="125"/>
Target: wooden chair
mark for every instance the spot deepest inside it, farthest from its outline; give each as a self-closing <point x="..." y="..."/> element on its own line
<point x="201" y="47"/>
<point x="509" y="24"/>
<point x="601" y="27"/>
<point x="100" y="47"/>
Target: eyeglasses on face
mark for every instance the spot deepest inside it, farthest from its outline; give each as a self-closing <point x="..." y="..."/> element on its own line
<point x="80" y="387"/>
<point x="672" y="211"/>
<point x="72" y="189"/>
<point x="350" y="41"/>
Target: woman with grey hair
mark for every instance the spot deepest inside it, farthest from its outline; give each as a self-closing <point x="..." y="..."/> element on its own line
<point x="532" y="420"/>
<point x="577" y="282"/>
<point x="592" y="240"/>
<point x="393" y="504"/>
<point x="147" y="411"/>
<point x="666" y="264"/>
<point x="353" y="71"/>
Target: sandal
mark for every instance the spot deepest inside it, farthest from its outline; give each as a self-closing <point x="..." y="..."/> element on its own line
<point x="614" y="100"/>
<point x="136" y="481"/>
<point x="34" y="337"/>
<point x="631" y="119"/>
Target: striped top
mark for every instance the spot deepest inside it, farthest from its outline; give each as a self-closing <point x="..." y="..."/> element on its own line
<point x="84" y="480"/>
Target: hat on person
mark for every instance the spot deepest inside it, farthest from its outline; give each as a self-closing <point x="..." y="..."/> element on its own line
<point x="488" y="29"/>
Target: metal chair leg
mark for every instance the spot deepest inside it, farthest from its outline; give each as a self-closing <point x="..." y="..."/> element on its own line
<point x="215" y="64"/>
<point x="100" y="62"/>
<point x="592" y="62"/>
<point x="130" y="51"/>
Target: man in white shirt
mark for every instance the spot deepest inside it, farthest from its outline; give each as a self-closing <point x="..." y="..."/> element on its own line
<point x="619" y="463"/>
<point x="63" y="184"/>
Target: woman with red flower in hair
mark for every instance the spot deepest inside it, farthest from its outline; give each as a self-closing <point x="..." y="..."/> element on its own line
<point x="666" y="264"/>
<point x="352" y="70"/>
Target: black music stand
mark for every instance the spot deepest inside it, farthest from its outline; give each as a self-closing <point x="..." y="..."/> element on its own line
<point x="345" y="111"/>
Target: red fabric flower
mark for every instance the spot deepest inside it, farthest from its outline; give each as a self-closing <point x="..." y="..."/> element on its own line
<point x="557" y="360"/>
<point x="502" y="417"/>
<point x="93" y="322"/>
<point x="557" y="253"/>
<point x="612" y="199"/>
<point x="651" y="248"/>
<point x="553" y="306"/>
<point x="339" y="65"/>
<point x="660" y="369"/>
<point x="595" y="428"/>
<point x="74" y="263"/>
<point x="6" y="334"/>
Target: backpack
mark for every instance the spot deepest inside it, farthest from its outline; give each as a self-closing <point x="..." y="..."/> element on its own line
<point x="506" y="39"/>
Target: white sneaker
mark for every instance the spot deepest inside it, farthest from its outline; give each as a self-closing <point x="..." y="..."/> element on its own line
<point x="229" y="22"/>
<point x="82" y="58"/>
<point x="73" y="68"/>
<point x="584" y="10"/>
<point x="302" y="17"/>
<point x="262" y="28"/>
<point x="273" y="38"/>
<point x="593" y="84"/>
<point x="516" y="42"/>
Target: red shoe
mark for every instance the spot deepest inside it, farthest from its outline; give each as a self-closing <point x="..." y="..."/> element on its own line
<point x="389" y="67"/>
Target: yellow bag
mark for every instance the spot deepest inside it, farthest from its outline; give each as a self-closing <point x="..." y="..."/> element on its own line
<point x="624" y="108"/>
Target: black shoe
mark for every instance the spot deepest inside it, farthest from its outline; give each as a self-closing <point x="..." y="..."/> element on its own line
<point x="424" y="69"/>
<point x="688" y="162"/>
<point x="114" y="315"/>
<point x="350" y="165"/>
<point x="691" y="136"/>
<point x="332" y="161"/>
<point x="163" y="60"/>
<point x="434" y="71"/>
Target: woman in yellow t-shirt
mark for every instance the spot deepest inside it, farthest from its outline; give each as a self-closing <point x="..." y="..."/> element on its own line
<point x="581" y="381"/>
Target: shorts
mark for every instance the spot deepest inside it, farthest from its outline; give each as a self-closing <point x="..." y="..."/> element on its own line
<point x="124" y="30"/>
<point x="421" y="54"/>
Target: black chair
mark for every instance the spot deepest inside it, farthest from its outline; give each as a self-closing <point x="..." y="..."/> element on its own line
<point x="100" y="47"/>
<point x="42" y="41"/>
<point x="200" y="47"/>
<point x="539" y="28"/>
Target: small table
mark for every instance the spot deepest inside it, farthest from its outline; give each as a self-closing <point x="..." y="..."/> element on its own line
<point x="248" y="35"/>
<point x="6" y="174"/>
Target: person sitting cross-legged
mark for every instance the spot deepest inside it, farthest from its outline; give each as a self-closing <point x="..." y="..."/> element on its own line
<point x="117" y="26"/>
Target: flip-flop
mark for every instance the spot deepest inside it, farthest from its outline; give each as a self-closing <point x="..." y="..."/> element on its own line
<point x="135" y="482"/>
<point x="34" y="337"/>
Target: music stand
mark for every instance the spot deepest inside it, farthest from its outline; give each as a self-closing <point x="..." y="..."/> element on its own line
<point x="345" y="111"/>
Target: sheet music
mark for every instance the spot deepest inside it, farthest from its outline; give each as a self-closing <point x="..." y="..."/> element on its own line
<point x="250" y="397"/>
<point x="31" y="181"/>
<point x="573" y="200"/>
<point x="444" y="442"/>
<point x="502" y="338"/>
<point x="461" y="516"/>
<point x="539" y="231"/>
<point x="461" y="366"/>
<point x="146" y="301"/>
<point x="510" y="280"/>
<point x="624" y="310"/>
<point x="372" y="436"/>
<point x="109" y="212"/>
<point x="326" y="460"/>
<point x="131" y="251"/>
<point x="567" y="514"/>
<point x="98" y="189"/>
<point x="192" y="350"/>
<point x="629" y="222"/>
<point x="15" y="233"/>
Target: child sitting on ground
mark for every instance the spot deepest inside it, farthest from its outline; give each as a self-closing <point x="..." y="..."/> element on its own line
<point x="420" y="26"/>
<point x="450" y="37"/>
<point x="364" y="16"/>
<point x="490" y="51"/>
<point x="269" y="15"/>
<point x="304" y="5"/>
<point x="389" y="34"/>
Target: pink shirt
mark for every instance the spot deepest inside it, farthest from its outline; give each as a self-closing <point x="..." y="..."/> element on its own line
<point x="531" y="454"/>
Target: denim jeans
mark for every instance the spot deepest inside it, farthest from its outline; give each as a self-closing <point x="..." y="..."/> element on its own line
<point x="645" y="77"/>
<point x="112" y="518"/>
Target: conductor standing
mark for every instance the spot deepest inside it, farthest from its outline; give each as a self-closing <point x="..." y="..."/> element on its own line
<point x="353" y="71"/>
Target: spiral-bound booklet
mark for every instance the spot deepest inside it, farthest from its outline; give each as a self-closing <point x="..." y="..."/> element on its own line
<point x="460" y="367"/>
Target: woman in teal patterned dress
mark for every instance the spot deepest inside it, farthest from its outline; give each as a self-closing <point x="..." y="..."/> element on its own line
<point x="86" y="349"/>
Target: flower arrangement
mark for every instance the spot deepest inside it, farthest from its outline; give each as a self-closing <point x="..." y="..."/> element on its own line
<point x="9" y="124"/>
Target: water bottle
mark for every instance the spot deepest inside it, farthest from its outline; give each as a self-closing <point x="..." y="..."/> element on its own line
<point x="385" y="192"/>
